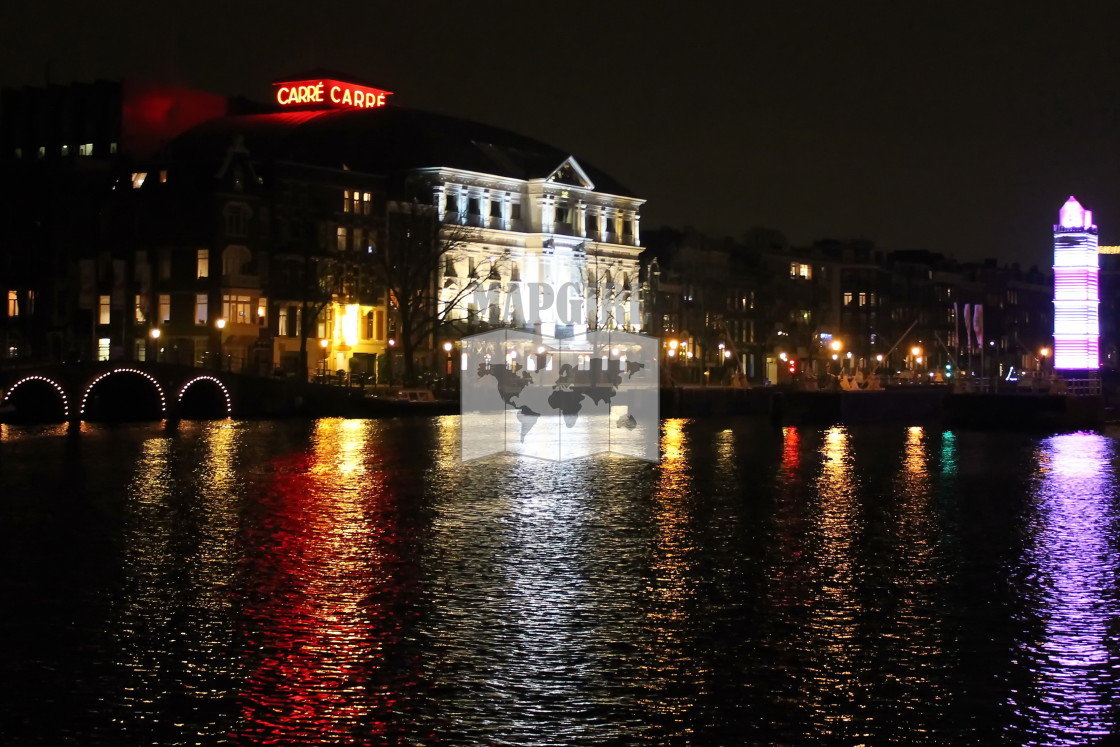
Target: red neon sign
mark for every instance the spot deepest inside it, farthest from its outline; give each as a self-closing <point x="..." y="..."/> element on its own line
<point x="332" y="94"/>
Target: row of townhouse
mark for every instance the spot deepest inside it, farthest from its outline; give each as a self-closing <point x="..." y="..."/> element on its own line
<point x="758" y="309"/>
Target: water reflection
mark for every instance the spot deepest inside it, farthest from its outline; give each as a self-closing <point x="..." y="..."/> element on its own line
<point x="1071" y="582"/>
<point x="530" y="586"/>
<point x="351" y="582"/>
<point x="322" y="604"/>
<point x="145" y="621"/>
<point x="831" y="677"/>
<point x="669" y="627"/>
<point x="179" y="552"/>
<point x="911" y="603"/>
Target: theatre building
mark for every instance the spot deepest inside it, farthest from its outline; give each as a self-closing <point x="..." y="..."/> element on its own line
<point x="157" y="222"/>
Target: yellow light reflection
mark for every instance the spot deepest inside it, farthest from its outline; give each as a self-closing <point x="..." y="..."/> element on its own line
<point x="668" y="621"/>
<point x="834" y="608"/>
<point x="914" y="610"/>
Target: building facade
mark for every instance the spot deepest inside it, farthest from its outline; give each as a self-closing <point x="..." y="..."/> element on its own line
<point x="160" y="223"/>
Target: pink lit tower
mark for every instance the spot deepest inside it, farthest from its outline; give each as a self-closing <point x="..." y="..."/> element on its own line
<point x="1076" y="330"/>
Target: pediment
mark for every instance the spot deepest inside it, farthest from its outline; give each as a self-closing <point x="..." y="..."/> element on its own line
<point x="571" y="173"/>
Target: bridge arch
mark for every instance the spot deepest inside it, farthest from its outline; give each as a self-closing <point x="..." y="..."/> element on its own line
<point x="83" y="410"/>
<point x="36" y="378"/>
<point x="228" y="401"/>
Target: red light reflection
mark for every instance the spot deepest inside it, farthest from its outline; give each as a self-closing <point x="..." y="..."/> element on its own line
<point x="325" y="600"/>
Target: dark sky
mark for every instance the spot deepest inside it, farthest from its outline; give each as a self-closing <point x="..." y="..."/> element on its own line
<point x="940" y="125"/>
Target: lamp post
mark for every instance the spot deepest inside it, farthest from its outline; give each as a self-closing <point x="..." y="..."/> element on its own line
<point x="915" y="361"/>
<point x="221" y="325"/>
<point x="447" y="346"/>
<point x="670" y="357"/>
<point x="392" y="346"/>
<point x="324" y="343"/>
<point x="837" y="345"/>
<point x="155" y="342"/>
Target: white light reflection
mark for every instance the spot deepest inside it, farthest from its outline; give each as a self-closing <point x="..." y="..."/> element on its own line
<point x="1070" y="568"/>
<point x="834" y="608"/>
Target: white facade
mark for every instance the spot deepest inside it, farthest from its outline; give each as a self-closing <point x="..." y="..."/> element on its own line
<point x="556" y="231"/>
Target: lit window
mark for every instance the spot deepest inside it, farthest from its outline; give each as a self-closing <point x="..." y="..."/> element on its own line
<point x="164" y="308"/>
<point x="365" y="203"/>
<point x="847" y="298"/>
<point x="138" y="178"/>
<point x="236" y="309"/>
<point x="85" y="149"/>
<point x="42" y="151"/>
<point x="103" y="348"/>
<point x="139" y="309"/>
<point x="113" y="148"/>
<point x="282" y="321"/>
<point x="204" y="263"/>
<point x="201" y="308"/>
<point x="66" y="150"/>
<point x="346" y="201"/>
<point x="343" y="238"/>
<point x="262" y="311"/>
<point x="103" y="310"/>
<point x="13" y="303"/>
<point x="163" y="176"/>
<point x="862" y="299"/>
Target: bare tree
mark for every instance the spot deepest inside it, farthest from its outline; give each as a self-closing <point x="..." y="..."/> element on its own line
<point x="413" y="267"/>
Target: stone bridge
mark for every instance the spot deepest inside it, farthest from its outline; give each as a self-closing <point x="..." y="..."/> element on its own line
<point x="117" y="390"/>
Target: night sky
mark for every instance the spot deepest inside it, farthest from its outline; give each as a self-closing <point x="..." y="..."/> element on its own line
<point x="937" y="125"/>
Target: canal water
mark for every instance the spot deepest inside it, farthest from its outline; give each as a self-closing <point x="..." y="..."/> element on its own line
<point x="350" y="582"/>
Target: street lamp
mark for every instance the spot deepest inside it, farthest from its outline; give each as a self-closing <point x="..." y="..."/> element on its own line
<point x="447" y="349"/>
<point x="221" y="325"/>
<point x="155" y="341"/>
<point x="392" y="345"/>
<point x="837" y="346"/>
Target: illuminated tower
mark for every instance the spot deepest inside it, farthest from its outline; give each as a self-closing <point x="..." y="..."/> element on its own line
<point x="1076" y="329"/>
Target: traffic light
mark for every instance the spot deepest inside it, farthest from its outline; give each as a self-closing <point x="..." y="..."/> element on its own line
<point x="792" y="366"/>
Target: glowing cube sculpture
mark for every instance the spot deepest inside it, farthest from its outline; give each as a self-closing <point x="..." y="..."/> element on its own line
<point x="1076" y="298"/>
